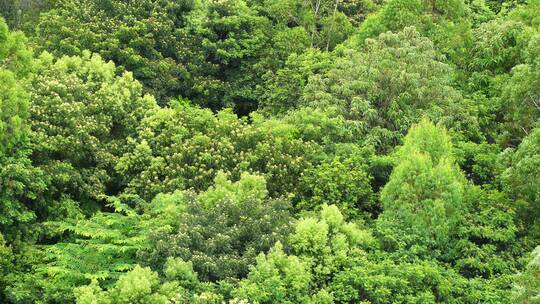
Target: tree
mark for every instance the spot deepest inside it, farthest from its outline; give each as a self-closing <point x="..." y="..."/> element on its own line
<point x="205" y="51"/>
<point x="277" y="277"/>
<point x="321" y="247"/>
<point x="6" y="264"/>
<point x="15" y="66"/>
<point x="328" y="244"/>
<point x="223" y="229"/>
<point x="20" y="12"/>
<point x="521" y="182"/>
<point x="327" y="22"/>
<point x="341" y="182"/>
<point x="78" y="251"/>
<point x="423" y="200"/>
<point x="480" y="162"/>
<point x="381" y="278"/>
<point x="135" y="36"/>
<point x="283" y="88"/>
<point x="503" y="6"/>
<point x="446" y="23"/>
<point x="81" y="116"/>
<point x="141" y="285"/>
<point x="387" y="282"/>
<point x="20" y="182"/>
<point x="100" y="248"/>
<point x="487" y="243"/>
<point x="527" y="283"/>
<point x="297" y="151"/>
<point x="184" y="147"/>
<point x="497" y="48"/>
<point x="521" y="96"/>
<point x="386" y="87"/>
<point x="500" y="72"/>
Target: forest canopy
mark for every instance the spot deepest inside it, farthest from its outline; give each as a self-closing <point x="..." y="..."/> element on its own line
<point x="269" y="151"/>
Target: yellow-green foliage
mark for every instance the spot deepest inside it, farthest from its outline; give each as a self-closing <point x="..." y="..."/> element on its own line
<point x="423" y="200"/>
<point x="82" y="114"/>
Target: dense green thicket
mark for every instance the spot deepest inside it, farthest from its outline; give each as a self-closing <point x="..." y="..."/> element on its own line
<point x="270" y="151"/>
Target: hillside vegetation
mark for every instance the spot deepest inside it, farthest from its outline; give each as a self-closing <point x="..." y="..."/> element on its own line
<point x="269" y="151"/>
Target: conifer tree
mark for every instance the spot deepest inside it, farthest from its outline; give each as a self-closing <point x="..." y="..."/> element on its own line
<point x="423" y="200"/>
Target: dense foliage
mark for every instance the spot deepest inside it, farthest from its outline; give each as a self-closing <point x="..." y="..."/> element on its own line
<point x="269" y="151"/>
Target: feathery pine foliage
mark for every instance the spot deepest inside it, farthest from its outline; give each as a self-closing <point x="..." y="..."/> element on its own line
<point x="423" y="200"/>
